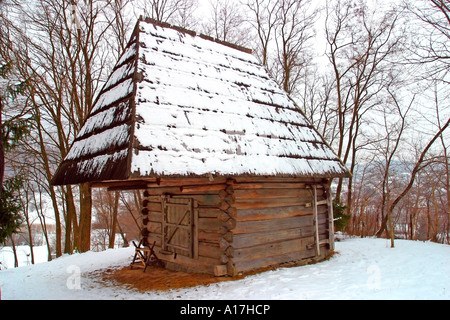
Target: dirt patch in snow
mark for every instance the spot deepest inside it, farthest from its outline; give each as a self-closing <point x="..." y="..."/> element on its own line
<point x="159" y="278"/>
<point x="156" y="277"/>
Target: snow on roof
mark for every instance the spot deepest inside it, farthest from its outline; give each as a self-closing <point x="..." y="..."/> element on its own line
<point x="181" y="104"/>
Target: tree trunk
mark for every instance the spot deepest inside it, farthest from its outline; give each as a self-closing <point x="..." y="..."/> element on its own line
<point x="435" y="223"/>
<point x="2" y="149"/>
<point x="16" y="261"/>
<point x="46" y="163"/>
<point x="30" y="232"/>
<point x="124" y="237"/>
<point x="391" y="227"/>
<point x="448" y="199"/>
<point x="85" y="217"/>
<point x="71" y="223"/>
<point x="413" y="220"/>
<point x="447" y="184"/>
<point x="112" y="235"/>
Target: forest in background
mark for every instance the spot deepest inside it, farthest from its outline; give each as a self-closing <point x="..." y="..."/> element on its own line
<point x="370" y="75"/>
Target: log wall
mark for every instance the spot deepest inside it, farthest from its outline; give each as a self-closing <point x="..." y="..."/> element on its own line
<point x="244" y="224"/>
<point x="275" y="222"/>
<point x="213" y="223"/>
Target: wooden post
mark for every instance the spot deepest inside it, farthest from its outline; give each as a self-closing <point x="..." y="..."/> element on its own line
<point x="330" y="220"/>
<point x="316" y="222"/>
<point x="195" y="230"/>
<point x="164" y="227"/>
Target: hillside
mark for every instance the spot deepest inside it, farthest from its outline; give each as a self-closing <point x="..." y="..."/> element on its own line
<point x="362" y="269"/>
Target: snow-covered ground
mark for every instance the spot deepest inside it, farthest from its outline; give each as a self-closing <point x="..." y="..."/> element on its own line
<point x="363" y="269"/>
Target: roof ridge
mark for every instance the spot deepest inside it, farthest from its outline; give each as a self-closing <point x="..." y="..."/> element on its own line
<point x="194" y="34"/>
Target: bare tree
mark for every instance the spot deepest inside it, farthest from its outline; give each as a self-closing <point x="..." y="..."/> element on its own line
<point x="429" y="51"/>
<point x="360" y="43"/>
<point x="446" y="174"/>
<point x="177" y="12"/>
<point x="121" y="25"/>
<point x="294" y="32"/>
<point x="317" y="100"/>
<point x="430" y="40"/>
<point x="185" y="15"/>
<point x="106" y="208"/>
<point x="227" y="23"/>
<point x="132" y="202"/>
<point x="2" y="148"/>
<point x="63" y="52"/>
<point x="13" y="105"/>
<point x="4" y="57"/>
<point x="394" y="129"/>
<point x="418" y="166"/>
<point x="264" y="17"/>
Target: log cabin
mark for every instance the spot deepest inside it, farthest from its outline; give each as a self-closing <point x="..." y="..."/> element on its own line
<point x="234" y="176"/>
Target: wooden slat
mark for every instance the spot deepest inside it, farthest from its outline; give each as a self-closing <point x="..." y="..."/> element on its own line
<point x="270" y="203"/>
<point x="275" y="213"/>
<point x="270" y="193"/>
<point x="209" y="212"/>
<point x="195" y="231"/>
<point x="210" y="250"/>
<point x="182" y="263"/>
<point x="202" y="199"/>
<point x="330" y="221"/>
<point x="269" y="185"/>
<point x="202" y="188"/>
<point x="316" y="222"/>
<point x="214" y="237"/>
<point x="273" y="224"/>
<point x="243" y="266"/>
<point x="162" y="190"/>
<point x="211" y="225"/>
<point x="185" y="191"/>
<point x="271" y="249"/>
<point x="257" y="179"/>
<point x="183" y="181"/>
<point x="245" y="240"/>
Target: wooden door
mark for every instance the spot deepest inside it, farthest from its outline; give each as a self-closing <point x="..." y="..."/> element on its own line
<point x="178" y="226"/>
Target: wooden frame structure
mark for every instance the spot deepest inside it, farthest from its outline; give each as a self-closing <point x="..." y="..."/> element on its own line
<point x="143" y="254"/>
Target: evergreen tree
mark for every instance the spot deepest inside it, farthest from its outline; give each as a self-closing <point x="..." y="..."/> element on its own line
<point x="340" y="217"/>
<point x="12" y="131"/>
<point x="10" y="207"/>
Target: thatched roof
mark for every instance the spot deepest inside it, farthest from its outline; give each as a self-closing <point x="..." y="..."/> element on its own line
<point x="180" y="104"/>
